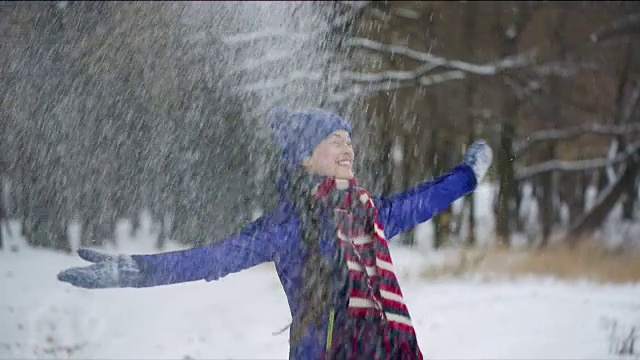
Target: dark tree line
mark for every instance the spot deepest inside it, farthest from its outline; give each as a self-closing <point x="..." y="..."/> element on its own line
<point x="108" y="114"/>
<point x="110" y="108"/>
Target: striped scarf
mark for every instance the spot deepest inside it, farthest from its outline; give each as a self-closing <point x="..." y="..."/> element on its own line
<point x="376" y="323"/>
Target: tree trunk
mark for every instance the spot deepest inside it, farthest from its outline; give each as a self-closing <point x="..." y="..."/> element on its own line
<point x="2" y="222"/>
<point x="95" y="231"/>
<point x="87" y="232"/>
<point x="443" y="219"/>
<point x="557" y="117"/>
<point x="573" y="191"/>
<point x="506" y="213"/>
<point x="407" y="181"/>
<point x="135" y="222"/>
<point x="607" y="200"/>
<point x="631" y="187"/>
<point x="469" y="200"/>
<point x="3" y="212"/>
<point x="470" y="29"/>
<point x="507" y="184"/>
<point x="434" y="165"/>
<point x="442" y="228"/>
<point x="180" y="231"/>
<point x="471" y="236"/>
<point x="624" y="110"/>
<point x="162" y="233"/>
<point x="59" y="238"/>
<point x="386" y="164"/>
<point x="630" y="195"/>
<point x="547" y="208"/>
<point x="47" y="231"/>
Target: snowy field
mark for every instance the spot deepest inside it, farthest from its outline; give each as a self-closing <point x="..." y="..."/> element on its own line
<point x="235" y="318"/>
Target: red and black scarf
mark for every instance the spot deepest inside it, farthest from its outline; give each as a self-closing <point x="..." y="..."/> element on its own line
<point x="376" y="322"/>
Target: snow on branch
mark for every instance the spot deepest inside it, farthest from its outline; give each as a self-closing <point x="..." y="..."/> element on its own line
<point x="630" y="104"/>
<point x="521" y="90"/>
<point x="254" y="63"/>
<point x="389" y="75"/>
<point x="280" y="82"/>
<point x="629" y="25"/>
<point x="492" y="68"/>
<point x="564" y="69"/>
<point x="369" y="83"/>
<point x="426" y="80"/>
<point x="579" y="165"/>
<point x="521" y="146"/>
<point x="268" y="33"/>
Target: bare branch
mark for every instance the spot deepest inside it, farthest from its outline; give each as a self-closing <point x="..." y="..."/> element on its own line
<point x="629" y="25"/>
<point x="521" y="91"/>
<point x="521" y="146"/>
<point x="492" y="68"/>
<point x="407" y="13"/>
<point x="580" y="165"/>
<point x="631" y="103"/>
<point x="356" y="5"/>
<point x="627" y="128"/>
<point x="605" y="202"/>
<point x="380" y="14"/>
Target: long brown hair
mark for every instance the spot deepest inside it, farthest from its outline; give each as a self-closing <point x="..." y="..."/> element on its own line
<point x="317" y="271"/>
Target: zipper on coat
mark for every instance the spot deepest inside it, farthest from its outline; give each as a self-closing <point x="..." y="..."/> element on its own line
<point x="330" y="330"/>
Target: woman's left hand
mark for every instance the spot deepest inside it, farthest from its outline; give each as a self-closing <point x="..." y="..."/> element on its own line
<point x="479" y="156"/>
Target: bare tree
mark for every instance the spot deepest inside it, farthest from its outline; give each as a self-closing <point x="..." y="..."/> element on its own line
<point x="509" y="33"/>
<point x="3" y="213"/>
<point x="470" y="28"/>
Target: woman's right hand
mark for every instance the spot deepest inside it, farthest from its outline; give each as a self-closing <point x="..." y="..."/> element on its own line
<point x="107" y="271"/>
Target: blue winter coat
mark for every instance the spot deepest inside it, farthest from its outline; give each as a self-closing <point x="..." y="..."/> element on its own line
<point x="276" y="237"/>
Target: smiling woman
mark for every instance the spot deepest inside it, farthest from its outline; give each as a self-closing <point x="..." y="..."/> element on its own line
<point x="332" y="157"/>
<point x="327" y="238"/>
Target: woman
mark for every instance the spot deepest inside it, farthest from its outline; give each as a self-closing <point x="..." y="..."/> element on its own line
<point x="327" y="238"/>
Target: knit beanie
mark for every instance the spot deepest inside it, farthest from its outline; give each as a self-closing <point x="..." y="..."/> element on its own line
<point x="298" y="133"/>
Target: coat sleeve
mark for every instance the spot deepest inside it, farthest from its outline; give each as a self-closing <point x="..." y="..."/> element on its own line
<point x="405" y="210"/>
<point x="252" y="246"/>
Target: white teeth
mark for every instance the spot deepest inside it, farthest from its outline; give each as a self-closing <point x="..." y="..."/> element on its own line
<point x="344" y="163"/>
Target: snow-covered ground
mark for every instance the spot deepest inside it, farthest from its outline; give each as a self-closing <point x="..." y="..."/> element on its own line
<point x="237" y="316"/>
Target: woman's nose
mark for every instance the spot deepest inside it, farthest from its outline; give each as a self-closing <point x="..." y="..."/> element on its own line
<point x="349" y="149"/>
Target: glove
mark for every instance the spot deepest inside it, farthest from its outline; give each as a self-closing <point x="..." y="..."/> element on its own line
<point x="479" y="157"/>
<point x="108" y="271"/>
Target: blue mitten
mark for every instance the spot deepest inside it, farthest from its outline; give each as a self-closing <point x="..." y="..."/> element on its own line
<point x="108" y="271"/>
<point x="479" y="156"/>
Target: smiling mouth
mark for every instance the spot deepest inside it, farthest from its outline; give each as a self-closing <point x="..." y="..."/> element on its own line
<point x="344" y="163"/>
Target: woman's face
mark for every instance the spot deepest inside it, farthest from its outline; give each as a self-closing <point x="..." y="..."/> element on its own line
<point x="333" y="157"/>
